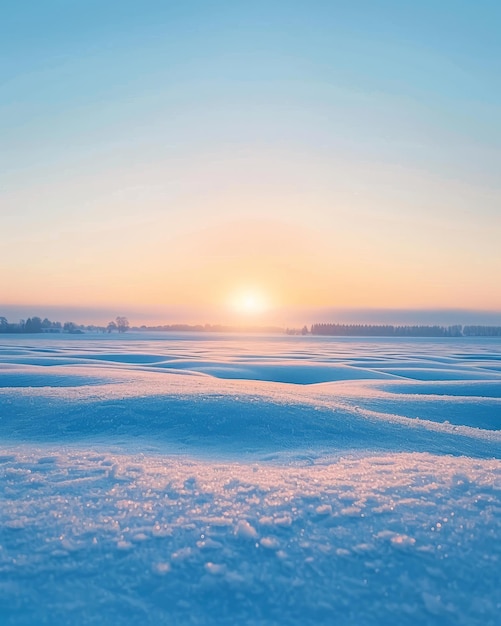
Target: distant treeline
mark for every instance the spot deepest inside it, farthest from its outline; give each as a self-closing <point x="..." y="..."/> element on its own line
<point x="36" y="324"/>
<point x="374" y="330"/>
<point x="31" y="325"/>
<point x="481" y="331"/>
<point x="121" y="324"/>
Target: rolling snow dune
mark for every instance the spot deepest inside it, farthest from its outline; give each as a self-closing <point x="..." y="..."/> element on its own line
<point x="186" y="479"/>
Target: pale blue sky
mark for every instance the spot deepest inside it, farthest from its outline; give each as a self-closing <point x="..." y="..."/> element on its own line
<point x="131" y="130"/>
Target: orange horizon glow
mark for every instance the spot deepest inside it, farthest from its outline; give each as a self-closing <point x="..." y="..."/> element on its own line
<point x="278" y="264"/>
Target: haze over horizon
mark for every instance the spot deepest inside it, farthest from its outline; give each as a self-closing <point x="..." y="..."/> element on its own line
<point x="292" y="317"/>
<point x="246" y="160"/>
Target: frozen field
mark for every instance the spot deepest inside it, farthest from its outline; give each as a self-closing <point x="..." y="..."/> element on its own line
<point x="218" y="479"/>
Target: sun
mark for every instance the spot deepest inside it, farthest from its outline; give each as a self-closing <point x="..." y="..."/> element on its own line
<point x="249" y="302"/>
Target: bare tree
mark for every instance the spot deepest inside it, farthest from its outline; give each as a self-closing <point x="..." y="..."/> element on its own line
<point x="122" y="324"/>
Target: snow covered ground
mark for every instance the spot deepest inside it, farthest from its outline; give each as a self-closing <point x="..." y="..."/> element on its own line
<point x="195" y="479"/>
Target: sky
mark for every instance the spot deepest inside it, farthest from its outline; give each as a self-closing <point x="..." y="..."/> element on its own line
<point x="234" y="159"/>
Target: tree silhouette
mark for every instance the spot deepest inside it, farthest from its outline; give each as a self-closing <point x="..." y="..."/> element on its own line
<point x="122" y="324"/>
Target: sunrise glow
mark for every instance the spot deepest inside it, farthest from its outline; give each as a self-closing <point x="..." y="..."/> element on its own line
<point x="249" y="302"/>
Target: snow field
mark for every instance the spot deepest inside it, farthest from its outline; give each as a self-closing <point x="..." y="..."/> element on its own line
<point x="187" y="480"/>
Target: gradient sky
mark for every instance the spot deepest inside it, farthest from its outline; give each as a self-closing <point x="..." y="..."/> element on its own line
<point x="198" y="154"/>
